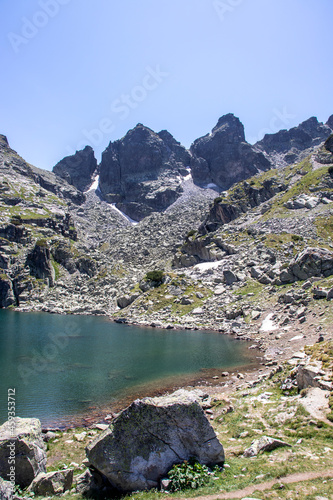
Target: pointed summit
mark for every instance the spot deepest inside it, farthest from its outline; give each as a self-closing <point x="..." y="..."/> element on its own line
<point x="224" y="157"/>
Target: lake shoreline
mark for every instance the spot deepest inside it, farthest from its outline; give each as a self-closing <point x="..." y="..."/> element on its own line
<point x="207" y="382"/>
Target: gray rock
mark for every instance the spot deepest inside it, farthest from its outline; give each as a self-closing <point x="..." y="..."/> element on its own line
<point x="126" y="300"/>
<point x="49" y="435"/>
<point x="310" y="262"/>
<point x="6" y="490"/>
<point x="229" y="277"/>
<point x="21" y="439"/>
<point x="185" y="301"/>
<point x="265" y="443"/>
<point x="303" y="201"/>
<point x="151" y="435"/>
<point x="318" y="293"/>
<point x="52" y="483"/>
<point x="309" y="376"/>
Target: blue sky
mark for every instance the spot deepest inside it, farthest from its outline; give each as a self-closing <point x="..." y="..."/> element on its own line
<point x="78" y="72"/>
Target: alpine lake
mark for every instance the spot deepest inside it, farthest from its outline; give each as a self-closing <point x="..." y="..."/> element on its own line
<point x="63" y="368"/>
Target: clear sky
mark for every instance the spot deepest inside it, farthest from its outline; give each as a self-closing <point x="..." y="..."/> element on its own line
<point x="76" y="72"/>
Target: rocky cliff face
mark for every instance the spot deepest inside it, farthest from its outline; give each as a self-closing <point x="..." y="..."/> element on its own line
<point x="79" y="169"/>
<point x="289" y="146"/>
<point x="223" y="157"/>
<point x="141" y="172"/>
<point x="12" y="164"/>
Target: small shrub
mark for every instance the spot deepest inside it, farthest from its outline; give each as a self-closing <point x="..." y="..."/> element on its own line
<point x="191" y="233"/>
<point x="189" y="474"/>
<point x="218" y="199"/>
<point x="155" y="276"/>
<point x="296" y="237"/>
<point x="330" y="170"/>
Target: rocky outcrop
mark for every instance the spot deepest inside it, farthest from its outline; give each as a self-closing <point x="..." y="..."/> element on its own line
<point x="329" y="122"/>
<point x="7" y="297"/>
<point x="39" y="262"/>
<point x="289" y="146"/>
<point x="310" y="262"/>
<point x="21" y="443"/>
<point x="12" y="164"/>
<point x="223" y="157"/>
<point x="151" y="435"/>
<point x="52" y="483"/>
<point x="140" y="173"/>
<point x="241" y="199"/>
<point x="329" y="143"/>
<point x="78" y="169"/>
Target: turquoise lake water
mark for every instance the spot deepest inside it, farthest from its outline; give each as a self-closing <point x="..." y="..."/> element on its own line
<point x="64" y="365"/>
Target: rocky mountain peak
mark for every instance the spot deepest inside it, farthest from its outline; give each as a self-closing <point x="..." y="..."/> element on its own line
<point x="78" y="169"/>
<point x="231" y="126"/>
<point x="289" y="146"/>
<point x="329" y="122"/>
<point x="140" y="172"/>
<point x="3" y="141"/>
<point x="223" y="157"/>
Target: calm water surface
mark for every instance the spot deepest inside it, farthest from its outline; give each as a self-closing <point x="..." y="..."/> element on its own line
<point x="64" y="365"/>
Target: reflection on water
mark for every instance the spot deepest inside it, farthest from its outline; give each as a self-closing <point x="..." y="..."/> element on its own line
<point x="60" y="364"/>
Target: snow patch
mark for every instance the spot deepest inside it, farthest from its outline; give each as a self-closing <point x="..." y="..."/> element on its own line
<point x="94" y="186"/>
<point x="268" y="324"/>
<point x="133" y="222"/>
<point x="211" y="185"/>
<point x="208" y="265"/>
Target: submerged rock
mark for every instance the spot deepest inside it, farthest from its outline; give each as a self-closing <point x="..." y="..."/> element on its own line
<point x="150" y="436"/>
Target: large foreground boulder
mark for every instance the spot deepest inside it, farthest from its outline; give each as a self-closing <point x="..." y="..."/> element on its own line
<point x="149" y="437"/>
<point x="22" y="447"/>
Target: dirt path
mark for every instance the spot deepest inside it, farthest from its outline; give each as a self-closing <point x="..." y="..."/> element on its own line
<point x="249" y="490"/>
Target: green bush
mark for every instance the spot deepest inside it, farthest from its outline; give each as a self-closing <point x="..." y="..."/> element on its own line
<point x="155" y="276"/>
<point x="41" y="243"/>
<point x="296" y="237"/>
<point x="16" y="220"/>
<point x="189" y="474"/>
<point x="218" y="199"/>
<point x="330" y="171"/>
